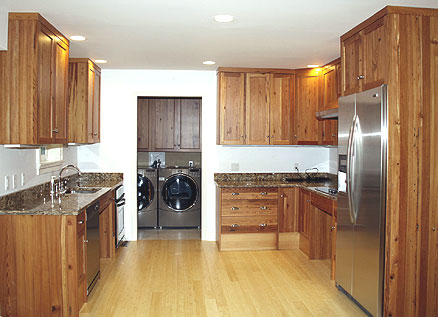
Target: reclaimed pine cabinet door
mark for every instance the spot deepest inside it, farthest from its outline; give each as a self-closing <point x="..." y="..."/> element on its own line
<point x="188" y="124"/>
<point x="351" y="57"/>
<point x="281" y="102"/>
<point x="330" y="88"/>
<point x="288" y="209"/>
<point x="329" y="132"/>
<point x="163" y="124"/>
<point x="143" y="123"/>
<point x="257" y="109"/>
<point x="231" y="125"/>
<point x="306" y="106"/>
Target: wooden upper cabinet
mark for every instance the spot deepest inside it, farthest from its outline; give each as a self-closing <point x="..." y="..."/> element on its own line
<point x="163" y="124"/>
<point x="363" y="58"/>
<point x="330" y="83"/>
<point x="188" y="124"/>
<point x="84" y="101"/>
<point x="257" y="108"/>
<point x="231" y="116"/>
<point x="306" y="105"/>
<point x="143" y="124"/>
<point x="281" y="102"/>
<point x="34" y="82"/>
<point x="329" y="132"/>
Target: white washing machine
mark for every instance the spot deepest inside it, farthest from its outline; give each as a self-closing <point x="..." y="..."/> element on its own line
<point x="147" y="202"/>
<point x="180" y="197"/>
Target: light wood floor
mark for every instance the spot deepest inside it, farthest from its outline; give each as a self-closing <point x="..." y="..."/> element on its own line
<point x="192" y="278"/>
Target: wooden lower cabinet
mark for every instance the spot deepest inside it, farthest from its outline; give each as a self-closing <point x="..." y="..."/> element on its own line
<point x="106" y="226"/>
<point x="42" y="265"/>
<point x="288" y="236"/>
<point x="247" y="218"/>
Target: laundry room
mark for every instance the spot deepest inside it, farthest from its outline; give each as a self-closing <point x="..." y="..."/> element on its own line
<point x="169" y="168"/>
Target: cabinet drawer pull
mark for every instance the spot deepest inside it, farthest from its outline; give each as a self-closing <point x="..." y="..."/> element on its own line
<point x="263" y="193"/>
<point x="56" y="130"/>
<point x="333" y="135"/>
<point x="85" y="241"/>
<point x="263" y="207"/>
<point x="234" y="194"/>
<point x="81" y="222"/>
<point x="282" y="195"/>
<point x="235" y="208"/>
<point x="360" y="77"/>
<point x="263" y="225"/>
<point x="235" y="225"/>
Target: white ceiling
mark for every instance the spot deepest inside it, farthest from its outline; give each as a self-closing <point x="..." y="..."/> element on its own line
<point x="180" y="34"/>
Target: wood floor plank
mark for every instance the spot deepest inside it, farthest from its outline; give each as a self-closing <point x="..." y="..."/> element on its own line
<point x="192" y="278"/>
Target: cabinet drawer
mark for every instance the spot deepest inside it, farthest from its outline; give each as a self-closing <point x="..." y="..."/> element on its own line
<point x="321" y="202"/>
<point x="249" y="224"/>
<point x="240" y="207"/>
<point x="80" y="221"/>
<point x="249" y="193"/>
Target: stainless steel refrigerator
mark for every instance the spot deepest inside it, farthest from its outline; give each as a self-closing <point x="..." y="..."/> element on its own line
<point x="361" y="211"/>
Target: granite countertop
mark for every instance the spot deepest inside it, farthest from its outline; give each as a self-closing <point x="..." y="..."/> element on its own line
<point x="37" y="201"/>
<point x="242" y="180"/>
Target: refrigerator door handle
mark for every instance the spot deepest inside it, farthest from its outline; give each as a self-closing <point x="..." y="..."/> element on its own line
<point x="349" y="170"/>
<point x="354" y="154"/>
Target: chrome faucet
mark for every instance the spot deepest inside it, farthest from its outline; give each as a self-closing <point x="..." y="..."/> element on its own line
<point x="60" y="187"/>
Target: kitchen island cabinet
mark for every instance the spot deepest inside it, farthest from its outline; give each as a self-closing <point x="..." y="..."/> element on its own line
<point x="34" y="82"/>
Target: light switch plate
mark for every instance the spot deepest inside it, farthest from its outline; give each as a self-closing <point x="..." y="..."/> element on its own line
<point x="6" y="182"/>
<point x="22" y="179"/>
<point x="14" y="181"/>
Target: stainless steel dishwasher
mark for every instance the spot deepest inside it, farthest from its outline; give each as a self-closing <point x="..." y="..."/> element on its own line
<point x="93" y="246"/>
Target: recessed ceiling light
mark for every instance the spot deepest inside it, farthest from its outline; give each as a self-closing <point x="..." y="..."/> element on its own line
<point x="313" y="66"/>
<point x="100" y="61"/>
<point x="77" y="38"/>
<point x="208" y="62"/>
<point x="223" y="18"/>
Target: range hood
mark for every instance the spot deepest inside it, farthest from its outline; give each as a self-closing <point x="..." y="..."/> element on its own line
<point x="327" y="114"/>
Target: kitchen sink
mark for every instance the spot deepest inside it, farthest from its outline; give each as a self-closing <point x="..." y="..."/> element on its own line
<point x="82" y="190"/>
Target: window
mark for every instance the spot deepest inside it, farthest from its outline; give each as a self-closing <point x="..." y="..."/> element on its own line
<point x="49" y="158"/>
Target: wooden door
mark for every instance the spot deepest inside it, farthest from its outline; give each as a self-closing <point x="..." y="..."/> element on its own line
<point x="304" y="212"/>
<point x="330" y="89"/>
<point x="288" y="210"/>
<point x="60" y="92"/>
<point x="374" y="55"/>
<point x="45" y="44"/>
<point x="89" y="105"/>
<point x="143" y="124"/>
<point x="329" y="132"/>
<point x="306" y="106"/>
<point x="163" y="124"/>
<point x="231" y="123"/>
<point x="319" y="234"/>
<point x="281" y="102"/>
<point x="188" y="126"/>
<point x="96" y="107"/>
<point x="351" y="55"/>
<point x="257" y="109"/>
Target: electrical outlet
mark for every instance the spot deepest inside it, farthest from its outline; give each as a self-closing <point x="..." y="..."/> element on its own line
<point x="6" y="182"/>
<point x="22" y="179"/>
<point x="296" y="165"/>
<point x="234" y="167"/>
<point x="14" y="181"/>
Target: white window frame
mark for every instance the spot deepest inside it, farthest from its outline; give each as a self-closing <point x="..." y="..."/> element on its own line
<point x="49" y="158"/>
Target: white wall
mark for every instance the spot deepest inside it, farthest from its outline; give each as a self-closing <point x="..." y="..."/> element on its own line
<point x="3" y="27"/>
<point x="117" y="151"/>
<point x="333" y="160"/>
<point x="17" y="161"/>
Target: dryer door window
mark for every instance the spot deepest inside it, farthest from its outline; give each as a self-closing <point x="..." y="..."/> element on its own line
<point x="179" y="192"/>
<point x="145" y="192"/>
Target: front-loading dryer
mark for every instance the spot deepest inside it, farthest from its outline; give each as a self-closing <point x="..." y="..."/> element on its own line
<point x="147" y="193"/>
<point x="180" y="197"/>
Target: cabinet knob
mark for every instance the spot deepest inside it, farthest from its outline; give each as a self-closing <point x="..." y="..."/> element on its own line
<point x="263" y="193"/>
<point x="360" y="77"/>
<point x="235" y="225"/>
<point x="56" y="130"/>
<point x="235" y="208"/>
<point x="95" y="133"/>
<point x="296" y="136"/>
<point x="234" y="194"/>
<point x="433" y="229"/>
<point x="263" y="225"/>
<point x="333" y="135"/>
<point x="85" y="241"/>
<point x="80" y="222"/>
<point x="332" y="228"/>
<point x="308" y="200"/>
<point x="282" y="195"/>
<point x="263" y="208"/>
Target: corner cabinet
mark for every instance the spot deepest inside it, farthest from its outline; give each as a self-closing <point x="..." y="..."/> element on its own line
<point x="33" y="82"/>
<point x="255" y="108"/>
<point x="84" y="101"/>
